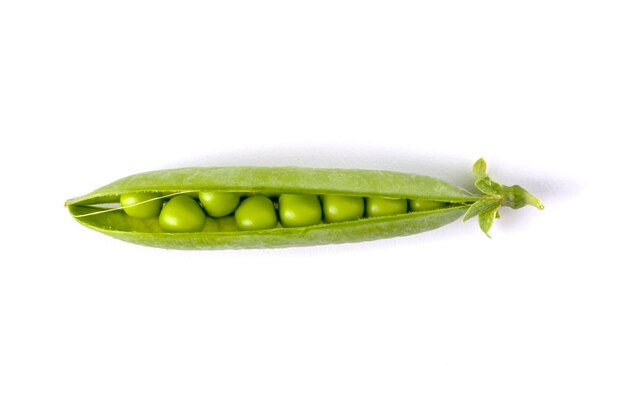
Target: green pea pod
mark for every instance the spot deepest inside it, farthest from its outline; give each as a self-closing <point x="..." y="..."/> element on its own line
<point x="95" y="209"/>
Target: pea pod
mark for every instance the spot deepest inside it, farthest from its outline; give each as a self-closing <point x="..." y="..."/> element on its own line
<point x="442" y="204"/>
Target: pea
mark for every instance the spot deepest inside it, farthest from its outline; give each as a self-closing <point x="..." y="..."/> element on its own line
<point x="182" y="214"/>
<point x="382" y="206"/>
<point x="226" y="224"/>
<point x="256" y="213"/>
<point x="211" y="226"/>
<point x="342" y="208"/>
<point x="423" y="205"/>
<point x="218" y="204"/>
<point x="297" y="210"/>
<point x="141" y="205"/>
<point x="343" y="203"/>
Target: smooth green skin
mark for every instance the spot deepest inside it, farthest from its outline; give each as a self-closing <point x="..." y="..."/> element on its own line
<point x="142" y="210"/>
<point x="342" y="208"/>
<point x="218" y="204"/>
<point x="423" y="205"/>
<point x="299" y="210"/>
<point x="280" y="180"/>
<point x="381" y="206"/>
<point x="182" y="214"/>
<point x="256" y="213"/>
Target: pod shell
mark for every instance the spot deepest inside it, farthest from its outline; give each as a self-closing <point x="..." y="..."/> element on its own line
<point x="274" y="181"/>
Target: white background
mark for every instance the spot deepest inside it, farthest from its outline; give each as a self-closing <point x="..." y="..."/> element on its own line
<point x="447" y="323"/>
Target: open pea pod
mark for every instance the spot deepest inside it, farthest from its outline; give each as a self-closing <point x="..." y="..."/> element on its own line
<point x="433" y="203"/>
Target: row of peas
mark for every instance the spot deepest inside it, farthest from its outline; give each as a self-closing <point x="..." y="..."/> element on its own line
<point x="185" y="214"/>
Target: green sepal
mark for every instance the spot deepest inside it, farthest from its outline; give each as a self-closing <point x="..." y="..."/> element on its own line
<point x="489" y="187"/>
<point x="483" y="182"/>
<point x="480" y="169"/>
<point x="485" y="204"/>
<point x="485" y="220"/>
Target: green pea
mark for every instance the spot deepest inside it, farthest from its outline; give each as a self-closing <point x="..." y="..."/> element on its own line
<point x="342" y="208"/>
<point x="297" y="210"/>
<point x="424" y="205"/>
<point x="256" y="213"/>
<point x="218" y="204"/>
<point x="227" y="224"/>
<point x="382" y="206"/>
<point x="182" y="214"/>
<point x="211" y="226"/>
<point x="141" y="205"/>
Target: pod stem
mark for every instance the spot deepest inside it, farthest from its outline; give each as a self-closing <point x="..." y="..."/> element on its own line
<point x="495" y="196"/>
